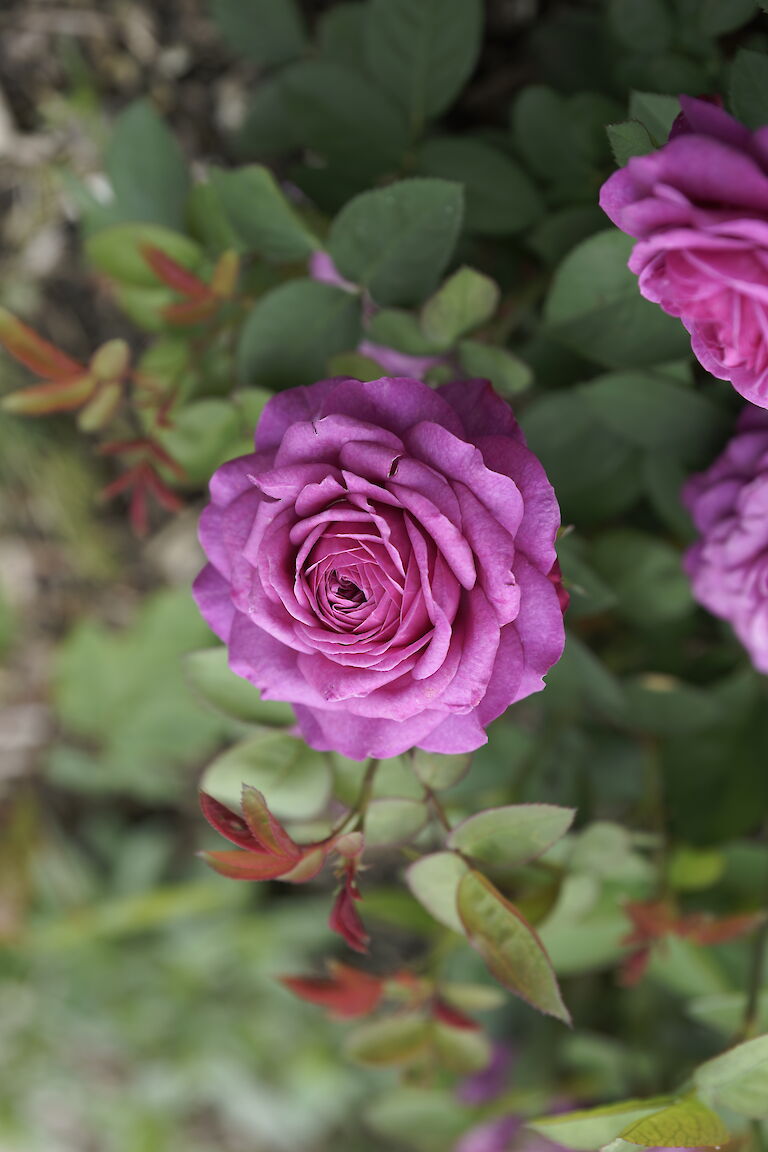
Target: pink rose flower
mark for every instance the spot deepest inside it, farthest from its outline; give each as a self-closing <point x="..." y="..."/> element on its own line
<point x="699" y="208"/>
<point x="382" y="563"/>
<point x="728" y="565"/>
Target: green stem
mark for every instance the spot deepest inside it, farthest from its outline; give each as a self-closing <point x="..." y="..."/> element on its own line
<point x="438" y="808"/>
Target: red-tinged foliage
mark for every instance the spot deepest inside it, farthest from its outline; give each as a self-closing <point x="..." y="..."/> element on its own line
<point x="238" y="865"/>
<point x="46" y="399"/>
<point x="189" y="312"/>
<point x="140" y="481"/>
<point x="174" y="275"/>
<point x="653" y="920"/>
<point x="228" y="823"/>
<point x="345" y="919"/>
<point x="452" y="1016"/>
<point x="268" y="832"/>
<point x="346" y="992"/>
<point x="703" y="929"/>
<point x="34" y="353"/>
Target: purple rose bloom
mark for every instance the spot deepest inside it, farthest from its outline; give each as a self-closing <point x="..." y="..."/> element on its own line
<point x="728" y="566"/>
<point x="381" y="563"/>
<point x="699" y="208"/>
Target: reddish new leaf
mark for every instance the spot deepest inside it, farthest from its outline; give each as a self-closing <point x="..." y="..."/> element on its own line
<point x="247" y="865"/>
<point x="35" y="353"/>
<point x="268" y="832"/>
<point x="345" y="918"/>
<point x="346" y="992"/>
<point x="228" y="823"/>
<point x="175" y="275"/>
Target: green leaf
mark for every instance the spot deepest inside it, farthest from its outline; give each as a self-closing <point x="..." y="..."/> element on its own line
<point x="591" y="1128"/>
<point x="202" y="436"/>
<point x="511" y="835"/>
<point x="209" y="674"/>
<point x="554" y="236"/>
<point x="293" y="330"/>
<point x="646" y="574"/>
<point x="437" y="770"/>
<point x="460" y="1050"/>
<point x="394" y="328"/>
<point x="655" y="112"/>
<point x="596" y="475"/>
<point x="652" y="411"/>
<point x="694" y="869"/>
<point x="341" y="32"/>
<point x="393" y="1040"/>
<point x="426" y="1119"/>
<point x="738" y="1079"/>
<point x="715" y="18"/>
<point x="594" y="307"/>
<point x="269" y="128"/>
<point x="423" y="51"/>
<point x="116" y="252"/>
<point x="260" y="215"/>
<point x="264" y="31"/>
<point x="580" y="682"/>
<point x="355" y="366"/>
<point x="295" y="779"/>
<point x="537" y="122"/>
<point x="508" y="945"/>
<point x="397" y="241"/>
<point x="508" y="373"/>
<point x="748" y="88"/>
<point x="124" y="692"/>
<point x="724" y="1011"/>
<point x="464" y="302"/>
<point x="629" y="139"/>
<point x="589" y="594"/>
<point x="501" y="200"/>
<point x="645" y="27"/>
<point x="585" y="930"/>
<point x="434" y="881"/>
<point x="146" y="168"/>
<point x="342" y="115"/>
<point x="393" y="821"/>
<point x="685" y="1124"/>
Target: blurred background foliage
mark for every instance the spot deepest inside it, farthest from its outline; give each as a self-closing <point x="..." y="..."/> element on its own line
<point x="138" y="1008"/>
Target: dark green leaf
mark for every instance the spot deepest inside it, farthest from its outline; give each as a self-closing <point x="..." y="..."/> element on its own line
<point x="260" y="215"/>
<point x="714" y="18"/>
<point x="501" y="199"/>
<point x="748" y="88"/>
<point x="508" y="945"/>
<point x="655" y="112"/>
<point x="595" y="307"/>
<point x="292" y="331"/>
<point x="589" y="594"/>
<point x="629" y="139"/>
<point x="395" y="328"/>
<point x="397" y="241"/>
<point x="267" y="31"/>
<point x="146" y="168"/>
<point x="645" y="27"/>
<point x="345" y="117"/>
<point x="423" y="51"/>
<point x="341" y="32"/>
<point x="652" y="411"/>
<point x="270" y="127"/>
<point x="646" y="574"/>
<point x="595" y="474"/>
